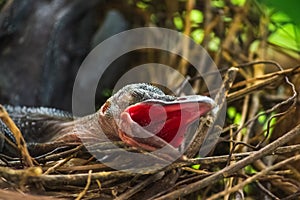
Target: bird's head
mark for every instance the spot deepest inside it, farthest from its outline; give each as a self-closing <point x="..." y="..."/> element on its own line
<point x="142" y="115"/>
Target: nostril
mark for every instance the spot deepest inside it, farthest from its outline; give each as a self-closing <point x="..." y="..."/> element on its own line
<point x="181" y="98"/>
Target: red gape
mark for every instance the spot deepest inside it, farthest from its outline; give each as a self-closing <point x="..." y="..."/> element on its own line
<point x="168" y="121"/>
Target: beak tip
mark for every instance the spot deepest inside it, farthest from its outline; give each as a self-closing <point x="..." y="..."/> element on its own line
<point x="214" y="110"/>
<point x="214" y="107"/>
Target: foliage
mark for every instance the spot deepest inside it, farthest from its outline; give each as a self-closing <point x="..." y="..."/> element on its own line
<point x="233" y="32"/>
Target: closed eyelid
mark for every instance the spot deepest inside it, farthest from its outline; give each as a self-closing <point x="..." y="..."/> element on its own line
<point x="105" y="107"/>
<point x="138" y="94"/>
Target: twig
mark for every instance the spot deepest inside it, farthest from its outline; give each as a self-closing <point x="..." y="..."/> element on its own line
<point x="12" y="195"/>
<point x="236" y="156"/>
<point x="248" y="90"/>
<point x="98" y="166"/>
<point x="292" y="99"/>
<point x="227" y="171"/>
<point x="4" y="116"/>
<point x="139" y="186"/>
<point x="293" y="196"/>
<point x="236" y="95"/>
<point x="255" y="177"/>
<point x="286" y="72"/>
<point x="57" y="165"/>
<point x="265" y="190"/>
<point x="187" y="30"/>
<point x="34" y="175"/>
<point x="88" y="183"/>
<point x="57" y="156"/>
<point x="203" y="127"/>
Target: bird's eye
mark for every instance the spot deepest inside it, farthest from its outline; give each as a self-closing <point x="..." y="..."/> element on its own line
<point x="105" y="106"/>
<point x="137" y="94"/>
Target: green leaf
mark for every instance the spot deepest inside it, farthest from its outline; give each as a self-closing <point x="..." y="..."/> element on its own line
<point x="178" y="22"/>
<point x="141" y="5"/>
<point x="280" y="17"/>
<point x="231" y="112"/>
<point x="262" y="118"/>
<point x="196" y="167"/>
<point x="106" y="92"/>
<point x="197" y="35"/>
<point x="153" y="18"/>
<point x="218" y="3"/>
<point x="2" y="3"/>
<point x="250" y="170"/>
<point x="238" y="2"/>
<point x="286" y="36"/>
<point x="272" y="123"/>
<point x="288" y="7"/>
<point x="196" y="16"/>
<point x="237" y="118"/>
<point x="214" y="44"/>
<point x="248" y="189"/>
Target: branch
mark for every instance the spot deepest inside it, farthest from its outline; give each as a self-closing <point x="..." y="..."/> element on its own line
<point x="229" y="170"/>
<point x="255" y="177"/>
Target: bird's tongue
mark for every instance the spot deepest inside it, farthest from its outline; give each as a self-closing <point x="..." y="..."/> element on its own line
<point x="168" y="121"/>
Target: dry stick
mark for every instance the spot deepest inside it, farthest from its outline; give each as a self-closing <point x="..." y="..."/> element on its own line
<point x="20" y="177"/>
<point x="57" y="156"/>
<point x="83" y="167"/>
<point x="239" y="137"/>
<point x="139" y="186"/>
<point x="236" y="156"/>
<point x="80" y="178"/>
<point x="203" y="127"/>
<point x="266" y="191"/>
<point x="286" y="72"/>
<point x="16" y="175"/>
<point x="34" y="175"/>
<point x="279" y="181"/>
<point x="8" y="141"/>
<point x="88" y="183"/>
<point x="187" y="30"/>
<point x="248" y="90"/>
<point x="4" y="116"/>
<point x="13" y="195"/>
<point x="236" y="95"/>
<point x="292" y="196"/>
<point x="255" y="177"/>
<point x="227" y="171"/>
<point x="58" y="164"/>
<point x="284" y="102"/>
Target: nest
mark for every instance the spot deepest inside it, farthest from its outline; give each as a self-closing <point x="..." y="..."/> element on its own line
<point x="71" y="172"/>
<point x="257" y="153"/>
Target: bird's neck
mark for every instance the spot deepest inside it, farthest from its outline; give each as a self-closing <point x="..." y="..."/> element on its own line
<point x="90" y="128"/>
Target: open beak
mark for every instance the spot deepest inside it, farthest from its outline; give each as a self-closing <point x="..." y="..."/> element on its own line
<point x="153" y="123"/>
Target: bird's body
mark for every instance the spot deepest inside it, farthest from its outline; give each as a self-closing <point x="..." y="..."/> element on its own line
<point x="140" y="115"/>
